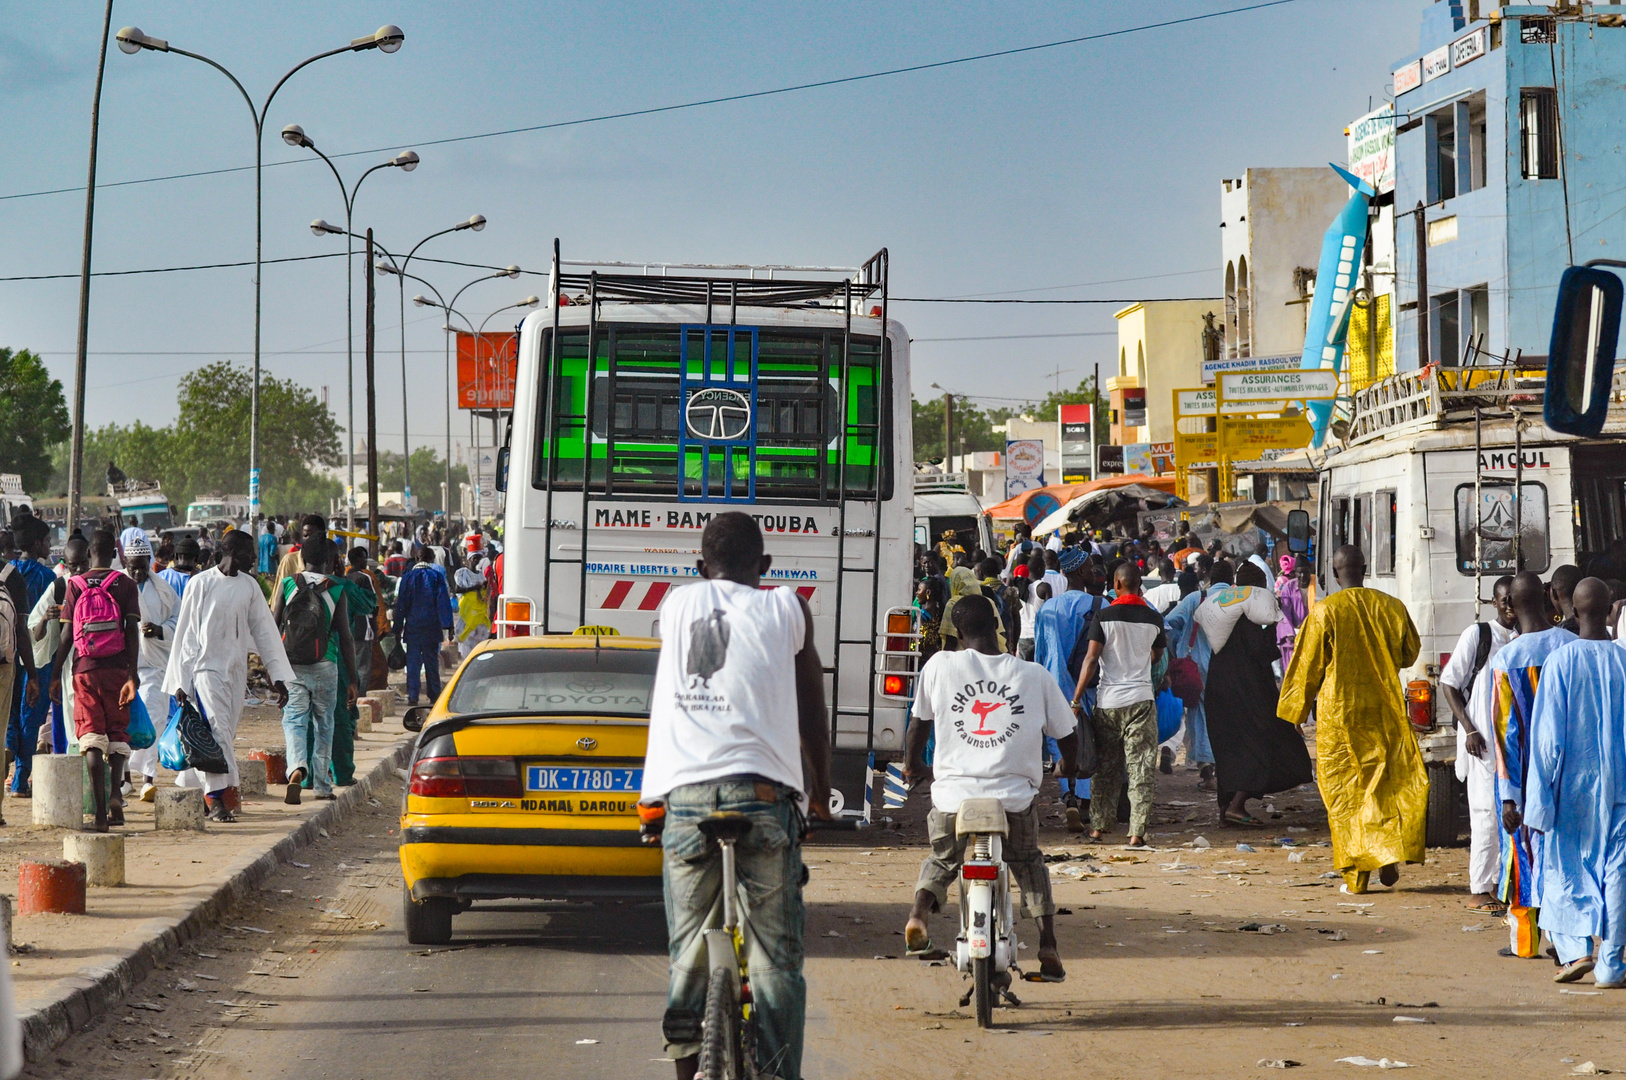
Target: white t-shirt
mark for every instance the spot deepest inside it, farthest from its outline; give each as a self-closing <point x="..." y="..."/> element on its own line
<point x="725" y="687"/>
<point x="1057" y="582"/>
<point x="991" y="714"/>
<point x="1054" y="543"/>
<point x="1163" y="597"/>
<point x="1455" y="674"/>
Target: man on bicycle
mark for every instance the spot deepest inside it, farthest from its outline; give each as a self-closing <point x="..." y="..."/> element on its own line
<point x="991" y="712"/>
<point x="728" y="733"/>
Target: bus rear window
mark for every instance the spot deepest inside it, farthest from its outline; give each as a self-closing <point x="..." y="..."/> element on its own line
<point x="1494" y="524"/>
<point x="773" y="433"/>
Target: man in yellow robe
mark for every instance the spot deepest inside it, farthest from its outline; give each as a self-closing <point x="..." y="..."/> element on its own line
<point x="1371" y="774"/>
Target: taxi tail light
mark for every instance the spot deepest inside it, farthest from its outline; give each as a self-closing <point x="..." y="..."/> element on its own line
<point x="1420" y="704"/>
<point x="980" y="871"/>
<point x="466" y="777"/>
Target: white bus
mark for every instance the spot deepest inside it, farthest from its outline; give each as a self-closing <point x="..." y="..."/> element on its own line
<point x="782" y="392"/>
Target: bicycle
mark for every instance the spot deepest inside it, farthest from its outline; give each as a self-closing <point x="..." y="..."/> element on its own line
<point x="727" y="1028"/>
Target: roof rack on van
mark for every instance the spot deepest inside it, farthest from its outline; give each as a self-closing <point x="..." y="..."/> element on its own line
<point x="939" y="483"/>
<point x="1482" y="386"/>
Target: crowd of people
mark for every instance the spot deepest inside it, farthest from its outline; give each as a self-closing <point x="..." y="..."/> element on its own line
<point x="1222" y="660"/>
<point x="113" y="622"/>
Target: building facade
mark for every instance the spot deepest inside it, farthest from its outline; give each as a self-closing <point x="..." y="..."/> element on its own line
<point x="1160" y="348"/>
<point x="1510" y="143"/>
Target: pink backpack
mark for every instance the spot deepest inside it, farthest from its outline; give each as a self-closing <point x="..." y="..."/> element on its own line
<point x="98" y="622"/>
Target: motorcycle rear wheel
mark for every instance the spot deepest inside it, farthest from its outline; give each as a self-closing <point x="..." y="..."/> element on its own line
<point x="982" y="984"/>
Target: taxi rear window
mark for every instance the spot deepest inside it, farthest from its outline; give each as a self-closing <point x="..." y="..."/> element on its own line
<point x="597" y="682"/>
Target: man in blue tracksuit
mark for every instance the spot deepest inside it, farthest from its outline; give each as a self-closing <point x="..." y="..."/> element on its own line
<point x="423" y="618"/>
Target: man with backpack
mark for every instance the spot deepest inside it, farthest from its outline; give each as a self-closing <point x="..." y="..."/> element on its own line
<point x="1058" y="644"/>
<point x="160" y="607"/>
<point x="101" y="615"/>
<point x="310" y="610"/>
<point x="1466" y="685"/>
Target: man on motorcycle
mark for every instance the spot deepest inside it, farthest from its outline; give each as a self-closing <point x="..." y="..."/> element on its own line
<point x="991" y="712"/>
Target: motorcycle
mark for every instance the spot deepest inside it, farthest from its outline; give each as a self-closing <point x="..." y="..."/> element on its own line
<point x="986" y="946"/>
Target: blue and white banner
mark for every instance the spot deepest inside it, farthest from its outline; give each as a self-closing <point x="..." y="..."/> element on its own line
<point x="1324" y="334"/>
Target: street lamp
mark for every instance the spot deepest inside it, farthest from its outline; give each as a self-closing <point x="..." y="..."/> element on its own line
<point x="386" y="39"/>
<point x="451" y="309"/>
<point x="406" y="161"/>
<point x="475" y="223"/>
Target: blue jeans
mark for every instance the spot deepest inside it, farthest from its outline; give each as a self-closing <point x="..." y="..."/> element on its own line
<point x="309" y="714"/>
<point x="423" y="652"/>
<point x="768" y="863"/>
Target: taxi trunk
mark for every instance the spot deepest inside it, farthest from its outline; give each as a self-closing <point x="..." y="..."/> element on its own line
<point x="499" y="806"/>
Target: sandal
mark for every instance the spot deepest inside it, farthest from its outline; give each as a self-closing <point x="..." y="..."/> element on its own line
<point x="1488" y="907"/>
<point x="1247" y="821"/>
<point x="1041" y="977"/>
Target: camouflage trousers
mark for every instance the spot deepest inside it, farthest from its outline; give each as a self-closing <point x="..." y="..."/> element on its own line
<point x="1126" y="740"/>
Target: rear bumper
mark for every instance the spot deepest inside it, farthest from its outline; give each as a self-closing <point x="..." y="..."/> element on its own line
<point x="487" y="862"/>
<point x="537" y="887"/>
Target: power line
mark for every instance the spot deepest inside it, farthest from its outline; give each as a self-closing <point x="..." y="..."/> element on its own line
<point x="174" y="269"/>
<point x="1085" y="284"/>
<point x="1137" y="300"/>
<point x="657" y="109"/>
<point x="1016" y="337"/>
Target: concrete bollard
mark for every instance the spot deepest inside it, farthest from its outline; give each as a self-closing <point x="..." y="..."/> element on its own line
<point x="5" y="925"/>
<point x="386" y="701"/>
<point x="276" y="765"/>
<point x="251" y="776"/>
<point x="178" y="808"/>
<point x="56" y="887"/>
<point x="101" y="853"/>
<point x="367" y="712"/>
<point x="59" y="791"/>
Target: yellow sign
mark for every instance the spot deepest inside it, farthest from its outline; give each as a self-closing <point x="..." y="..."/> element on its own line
<point x="1245" y="439"/>
<point x="600" y="631"/>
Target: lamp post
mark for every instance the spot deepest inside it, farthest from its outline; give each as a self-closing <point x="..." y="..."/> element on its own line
<point x="406" y="161"/>
<point x="496" y="409"/>
<point x="451" y="309"/>
<point x="386" y="39"/>
<point x="476" y="222"/>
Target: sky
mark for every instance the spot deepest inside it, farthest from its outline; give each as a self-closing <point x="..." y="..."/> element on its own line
<point x="1085" y="171"/>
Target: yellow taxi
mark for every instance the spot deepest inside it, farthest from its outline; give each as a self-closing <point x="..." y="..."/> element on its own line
<point x="525" y="779"/>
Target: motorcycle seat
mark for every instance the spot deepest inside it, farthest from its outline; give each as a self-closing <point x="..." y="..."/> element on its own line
<point x="984" y="816"/>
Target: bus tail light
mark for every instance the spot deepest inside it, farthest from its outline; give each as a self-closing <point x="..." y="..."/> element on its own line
<point x="893" y="685"/>
<point x="516" y="618"/>
<point x="1420" y="704"/>
<point x="898" y="622"/>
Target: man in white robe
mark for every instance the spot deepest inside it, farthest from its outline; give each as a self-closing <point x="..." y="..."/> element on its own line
<point x="160" y="608"/>
<point x="223" y="618"/>
<point x="1575" y="795"/>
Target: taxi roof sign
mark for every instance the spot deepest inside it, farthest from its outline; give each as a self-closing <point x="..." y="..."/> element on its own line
<point x="597" y="631"/>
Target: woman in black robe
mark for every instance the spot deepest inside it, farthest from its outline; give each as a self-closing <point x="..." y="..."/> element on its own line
<point x="1255" y="752"/>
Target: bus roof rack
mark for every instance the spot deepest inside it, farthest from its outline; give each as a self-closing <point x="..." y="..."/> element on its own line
<point x="721" y="283"/>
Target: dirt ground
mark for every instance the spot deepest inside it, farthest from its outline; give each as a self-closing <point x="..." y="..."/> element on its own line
<point x="1183" y="962"/>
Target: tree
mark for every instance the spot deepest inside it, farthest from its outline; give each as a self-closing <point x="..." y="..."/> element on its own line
<point x="33" y="417"/>
<point x="297" y="431"/>
<point x="1084" y="394"/>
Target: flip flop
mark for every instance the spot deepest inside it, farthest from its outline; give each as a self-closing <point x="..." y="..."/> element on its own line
<point x="921" y="948"/>
<point x="1041" y="977"/>
<point x="1489" y="907"/>
<point x="1241" y="820"/>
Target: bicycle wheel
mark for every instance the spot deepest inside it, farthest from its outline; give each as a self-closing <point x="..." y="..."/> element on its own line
<point x="982" y="984"/>
<point x="720" y="1057"/>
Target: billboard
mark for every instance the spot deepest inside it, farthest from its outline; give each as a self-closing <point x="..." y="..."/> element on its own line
<point x="1024" y="466"/>
<point x="1108" y="459"/>
<point x="1245" y="363"/>
<point x="1134" y="414"/>
<point x="1076" y="442"/>
<point x="1372" y="148"/>
<point x="486" y="381"/>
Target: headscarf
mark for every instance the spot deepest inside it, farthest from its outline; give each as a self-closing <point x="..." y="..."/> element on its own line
<point x="962" y="582"/>
<point x="1225" y="607"/>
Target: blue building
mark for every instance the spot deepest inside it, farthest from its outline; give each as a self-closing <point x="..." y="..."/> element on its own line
<point x="1510" y="142"/>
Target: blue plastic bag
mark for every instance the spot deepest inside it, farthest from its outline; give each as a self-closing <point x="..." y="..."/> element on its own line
<point x="171" y="755"/>
<point x="1170" y="711"/>
<point x="140" y="731"/>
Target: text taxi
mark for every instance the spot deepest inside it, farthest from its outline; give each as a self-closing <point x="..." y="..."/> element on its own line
<point x="525" y="780"/>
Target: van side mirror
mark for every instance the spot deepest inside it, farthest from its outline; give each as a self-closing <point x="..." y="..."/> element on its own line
<point x="1298" y="532"/>
<point x="502" y="469"/>
<point x="414" y="717"/>
<point x="1581" y="357"/>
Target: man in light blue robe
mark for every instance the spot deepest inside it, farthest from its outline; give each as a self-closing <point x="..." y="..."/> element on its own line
<point x="1575" y="795"/>
<point x="1061" y="622"/>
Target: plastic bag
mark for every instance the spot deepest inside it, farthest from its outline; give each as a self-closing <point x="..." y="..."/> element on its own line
<point x="171" y="754"/>
<point x="1170" y="711"/>
<point x="140" y="733"/>
<point x="202" y="752"/>
<point x="395" y="657"/>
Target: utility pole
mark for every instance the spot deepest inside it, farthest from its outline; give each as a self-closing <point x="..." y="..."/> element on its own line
<point x="76" y="452"/>
<point x="948" y="432"/>
<point x="374" y="526"/>
<point x="1423" y="351"/>
<point x="1095" y="418"/>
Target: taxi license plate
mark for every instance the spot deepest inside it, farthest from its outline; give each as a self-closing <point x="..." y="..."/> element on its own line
<point x="583" y="780"/>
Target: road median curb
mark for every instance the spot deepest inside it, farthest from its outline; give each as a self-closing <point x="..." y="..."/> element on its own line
<point x="91" y="991"/>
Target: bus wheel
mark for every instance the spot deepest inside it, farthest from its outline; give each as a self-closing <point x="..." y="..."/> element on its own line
<point x="1442" y="804"/>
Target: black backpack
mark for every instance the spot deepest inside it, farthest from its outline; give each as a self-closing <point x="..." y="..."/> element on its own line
<point x="306" y="623"/>
<point x="1481" y="654"/>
